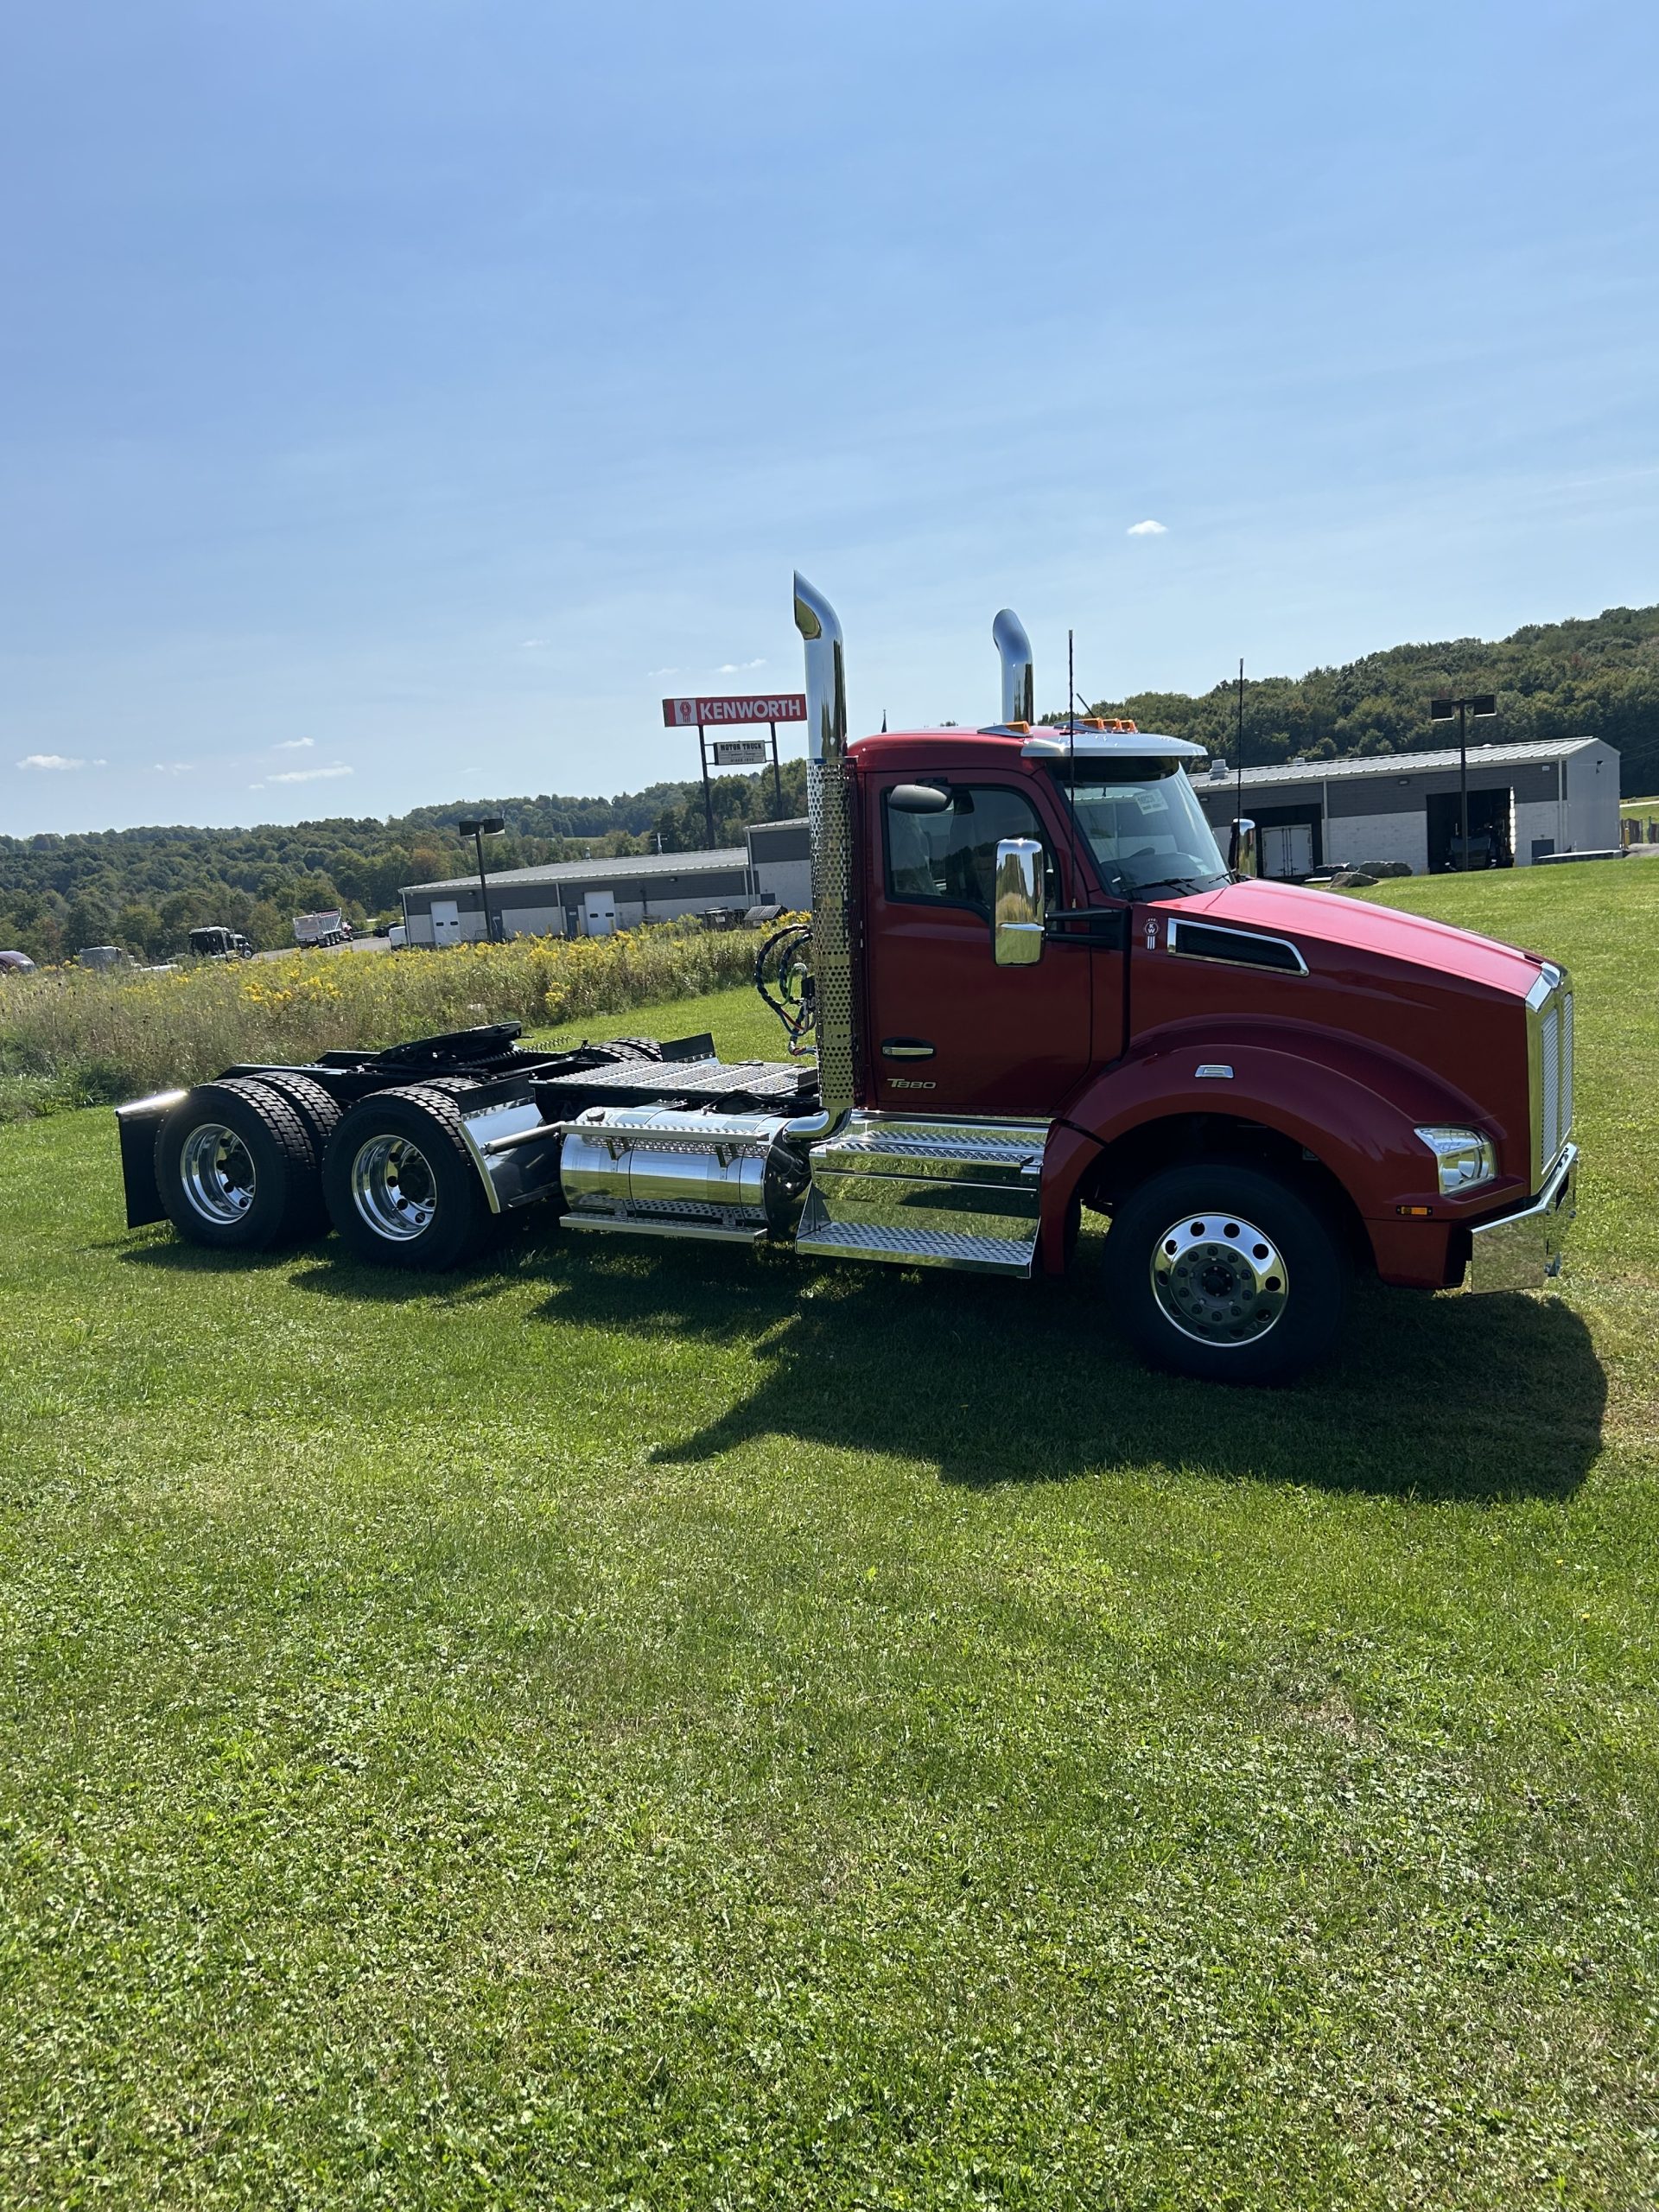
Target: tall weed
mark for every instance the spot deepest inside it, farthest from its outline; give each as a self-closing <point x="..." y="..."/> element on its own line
<point x="71" y="1037"/>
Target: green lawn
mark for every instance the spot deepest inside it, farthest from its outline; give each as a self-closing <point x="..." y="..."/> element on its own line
<point x="664" y="1728"/>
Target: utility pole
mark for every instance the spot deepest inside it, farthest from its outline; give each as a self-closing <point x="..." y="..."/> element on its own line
<point x="1481" y="705"/>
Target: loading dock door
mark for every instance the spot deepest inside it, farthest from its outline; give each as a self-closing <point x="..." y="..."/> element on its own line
<point x="599" y="913"/>
<point x="1288" y="850"/>
<point x="446" y="921"/>
<point x="1491" y="829"/>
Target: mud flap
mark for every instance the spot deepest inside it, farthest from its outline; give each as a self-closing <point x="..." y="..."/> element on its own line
<point x="138" y="1124"/>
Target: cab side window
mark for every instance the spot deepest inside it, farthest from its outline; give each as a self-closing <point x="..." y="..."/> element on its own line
<point x="949" y="858"/>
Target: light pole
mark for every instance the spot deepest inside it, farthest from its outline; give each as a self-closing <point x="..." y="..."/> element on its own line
<point x="478" y="827"/>
<point x="1479" y="704"/>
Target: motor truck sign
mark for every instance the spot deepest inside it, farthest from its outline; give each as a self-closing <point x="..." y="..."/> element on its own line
<point x="739" y="752"/>
<point x="694" y="714"/>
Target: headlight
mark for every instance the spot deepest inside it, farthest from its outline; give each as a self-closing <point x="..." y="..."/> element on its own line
<point x="1464" y="1157"/>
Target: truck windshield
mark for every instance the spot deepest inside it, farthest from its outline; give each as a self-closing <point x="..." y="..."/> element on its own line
<point x="1144" y="826"/>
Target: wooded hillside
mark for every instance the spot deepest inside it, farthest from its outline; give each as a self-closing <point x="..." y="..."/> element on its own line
<point x="1592" y="678"/>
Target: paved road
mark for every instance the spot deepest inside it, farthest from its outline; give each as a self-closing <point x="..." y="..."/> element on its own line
<point x="353" y="944"/>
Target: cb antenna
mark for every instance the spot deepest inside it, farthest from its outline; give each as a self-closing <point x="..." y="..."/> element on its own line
<point x="1238" y="805"/>
<point x="1071" y="763"/>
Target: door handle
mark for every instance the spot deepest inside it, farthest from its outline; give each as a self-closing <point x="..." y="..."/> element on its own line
<point x="905" y="1048"/>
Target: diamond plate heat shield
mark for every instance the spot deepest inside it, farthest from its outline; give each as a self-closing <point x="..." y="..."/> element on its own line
<point x="830" y="813"/>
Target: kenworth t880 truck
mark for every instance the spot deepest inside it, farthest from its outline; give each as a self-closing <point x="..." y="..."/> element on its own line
<point x="1035" y="988"/>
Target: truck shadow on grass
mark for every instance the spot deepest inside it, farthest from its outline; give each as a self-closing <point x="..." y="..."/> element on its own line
<point x="993" y="1382"/>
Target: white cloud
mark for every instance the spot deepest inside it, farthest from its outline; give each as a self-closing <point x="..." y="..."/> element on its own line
<point x="171" y="767"/>
<point x="531" y="645"/>
<point x="737" y="667"/>
<point x="1148" y="530"/>
<point x="306" y="775"/>
<point x="295" y="745"/>
<point x="662" y="671"/>
<point x="51" y="761"/>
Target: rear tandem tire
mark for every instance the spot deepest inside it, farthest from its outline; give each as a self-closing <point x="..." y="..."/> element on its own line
<point x="401" y="1186"/>
<point x="237" y="1169"/>
<point x="1198" y="1259"/>
<point x="322" y="1114"/>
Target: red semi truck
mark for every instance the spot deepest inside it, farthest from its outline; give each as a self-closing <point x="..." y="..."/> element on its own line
<point x="1036" y="989"/>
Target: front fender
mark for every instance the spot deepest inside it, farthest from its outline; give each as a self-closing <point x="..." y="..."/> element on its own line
<point x="1354" y="1106"/>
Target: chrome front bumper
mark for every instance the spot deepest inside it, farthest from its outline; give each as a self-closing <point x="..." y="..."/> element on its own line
<point x="1522" y="1251"/>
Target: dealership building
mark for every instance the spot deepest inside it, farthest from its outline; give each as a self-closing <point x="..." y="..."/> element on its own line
<point x="1526" y="803"/>
<point x="595" y="897"/>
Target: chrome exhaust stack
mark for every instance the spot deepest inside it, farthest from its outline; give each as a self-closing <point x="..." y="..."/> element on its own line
<point x="830" y="813"/>
<point x="1019" y="676"/>
<point x="655" y="1171"/>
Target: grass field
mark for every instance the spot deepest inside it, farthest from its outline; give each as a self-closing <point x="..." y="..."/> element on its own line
<point x="658" y="1728"/>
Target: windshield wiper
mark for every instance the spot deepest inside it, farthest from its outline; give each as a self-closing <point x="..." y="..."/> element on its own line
<point x="1179" y="884"/>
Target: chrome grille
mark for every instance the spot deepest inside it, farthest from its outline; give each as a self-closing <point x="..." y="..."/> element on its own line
<point x="1549" y="1038"/>
<point x="1549" y="1012"/>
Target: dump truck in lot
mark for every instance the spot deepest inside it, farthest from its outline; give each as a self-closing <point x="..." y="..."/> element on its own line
<point x="1037" y="989"/>
<point x="325" y="929"/>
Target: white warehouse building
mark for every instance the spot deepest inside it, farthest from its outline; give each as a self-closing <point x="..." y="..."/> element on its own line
<point x="1526" y="803"/>
<point x="595" y="897"/>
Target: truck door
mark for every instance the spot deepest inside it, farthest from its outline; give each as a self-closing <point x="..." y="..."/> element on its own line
<point x="950" y="1031"/>
<point x="446" y="921"/>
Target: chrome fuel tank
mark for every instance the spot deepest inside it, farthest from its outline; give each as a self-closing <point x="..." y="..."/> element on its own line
<point x="708" y="1174"/>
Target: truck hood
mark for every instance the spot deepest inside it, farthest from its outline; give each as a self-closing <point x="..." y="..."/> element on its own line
<point x="1357" y="926"/>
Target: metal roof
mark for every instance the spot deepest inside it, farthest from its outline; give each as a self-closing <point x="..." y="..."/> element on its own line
<point x="1401" y="764"/>
<point x="607" y="867"/>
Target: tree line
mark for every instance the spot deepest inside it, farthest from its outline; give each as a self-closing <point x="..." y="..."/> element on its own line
<point x="145" y="889"/>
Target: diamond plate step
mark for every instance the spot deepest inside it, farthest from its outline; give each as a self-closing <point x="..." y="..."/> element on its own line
<point x="920" y="1248"/>
<point x="935" y="1149"/>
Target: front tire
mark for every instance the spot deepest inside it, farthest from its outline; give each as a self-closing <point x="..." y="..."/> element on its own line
<point x="1227" y="1273"/>
<point x="401" y="1186"/>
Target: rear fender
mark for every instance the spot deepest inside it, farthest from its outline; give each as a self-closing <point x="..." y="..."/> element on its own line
<point x="1355" y="1107"/>
<point x="526" y="1172"/>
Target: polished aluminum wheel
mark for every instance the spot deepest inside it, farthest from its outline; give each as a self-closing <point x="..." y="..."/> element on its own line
<point x="393" y="1188"/>
<point x="217" y="1173"/>
<point x="1219" y="1279"/>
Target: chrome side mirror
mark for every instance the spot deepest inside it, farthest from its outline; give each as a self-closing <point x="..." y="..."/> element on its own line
<point x="1020" y="903"/>
<point x="1241" y="856"/>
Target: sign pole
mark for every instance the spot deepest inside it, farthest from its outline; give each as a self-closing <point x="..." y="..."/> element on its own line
<point x="777" y="774"/>
<point x="708" y="795"/>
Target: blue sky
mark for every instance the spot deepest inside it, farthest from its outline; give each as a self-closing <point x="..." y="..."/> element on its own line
<point x="396" y="401"/>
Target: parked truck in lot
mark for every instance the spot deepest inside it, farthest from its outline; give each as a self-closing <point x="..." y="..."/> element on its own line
<point x="213" y="942"/>
<point x="313" y="929"/>
<point x="1036" y="989"/>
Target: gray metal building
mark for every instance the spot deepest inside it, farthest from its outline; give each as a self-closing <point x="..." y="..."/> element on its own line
<point x="595" y="897"/>
<point x="1526" y="802"/>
